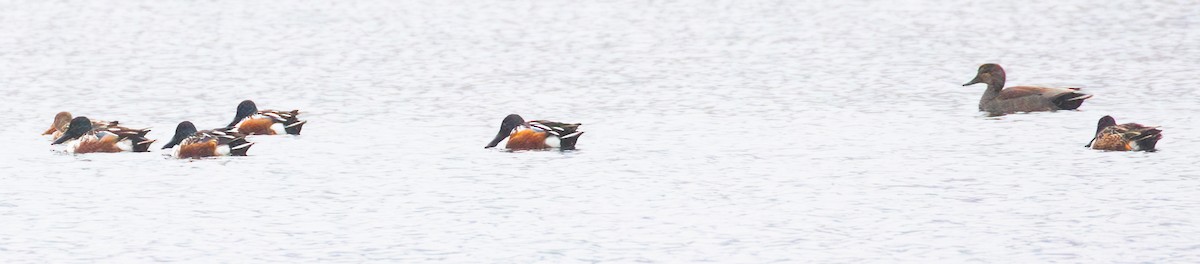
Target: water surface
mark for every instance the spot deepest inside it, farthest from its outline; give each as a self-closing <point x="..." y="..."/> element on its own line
<point x="717" y="131"/>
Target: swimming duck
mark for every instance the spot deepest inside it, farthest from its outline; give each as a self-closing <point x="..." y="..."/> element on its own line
<point x="251" y="121"/>
<point x="1014" y="99"/>
<point x="63" y="119"/>
<point x="81" y="137"/>
<point x="1124" y="137"/>
<point x="207" y="143"/>
<point x="536" y="134"/>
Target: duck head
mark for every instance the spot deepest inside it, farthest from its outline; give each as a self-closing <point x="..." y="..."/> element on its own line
<point x="988" y="73"/>
<point x="77" y="127"/>
<point x="184" y="130"/>
<point x="1104" y="122"/>
<point x="506" y="127"/>
<point x="245" y="109"/>
<point x="61" y="120"/>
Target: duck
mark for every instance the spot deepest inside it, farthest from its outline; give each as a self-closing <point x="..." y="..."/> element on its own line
<point x="81" y="137"/>
<point x="998" y="100"/>
<point x="63" y="119"/>
<point x="536" y="134"/>
<point x="207" y="143"/>
<point x="251" y="121"/>
<point x="1124" y="137"/>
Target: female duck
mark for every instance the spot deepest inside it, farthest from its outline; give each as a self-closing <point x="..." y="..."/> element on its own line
<point x="1124" y="137"/>
<point x="80" y="137"/>
<point x="536" y="134"/>
<point x="251" y="121"/>
<point x="63" y="119"/>
<point x="997" y="100"/>
<point x="207" y="143"/>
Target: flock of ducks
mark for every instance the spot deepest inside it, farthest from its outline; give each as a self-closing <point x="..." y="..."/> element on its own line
<point x="83" y="135"/>
<point x="998" y="100"/>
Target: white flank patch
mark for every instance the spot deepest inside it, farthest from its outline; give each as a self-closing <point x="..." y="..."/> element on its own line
<point x="553" y="142"/>
<point x="74" y="143"/>
<point x="125" y="145"/>
<point x="278" y="128"/>
<point x="223" y="150"/>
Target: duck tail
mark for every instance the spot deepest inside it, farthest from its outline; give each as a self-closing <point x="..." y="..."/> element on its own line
<point x="141" y="143"/>
<point x="293" y="126"/>
<point x="1071" y="100"/>
<point x="568" y="142"/>
<point x="239" y="146"/>
<point x="1148" y="139"/>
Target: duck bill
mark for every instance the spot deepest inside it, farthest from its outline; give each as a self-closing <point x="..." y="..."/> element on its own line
<point x="505" y="130"/>
<point x="506" y="127"/>
<point x="49" y="131"/>
<point x="65" y="137"/>
<point x="978" y="79"/>
<point x="500" y="136"/>
<point x="174" y="141"/>
<point x="71" y="133"/>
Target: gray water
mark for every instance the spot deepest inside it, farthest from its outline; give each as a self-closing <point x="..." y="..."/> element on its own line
<point x="717" y="131"/>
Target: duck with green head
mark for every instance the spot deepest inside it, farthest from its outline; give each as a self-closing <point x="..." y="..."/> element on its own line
<point x="81" y="137"/>
<point x="536" y="134"/>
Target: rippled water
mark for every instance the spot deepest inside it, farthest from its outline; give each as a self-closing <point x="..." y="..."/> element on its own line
<point x="718" y="131"/>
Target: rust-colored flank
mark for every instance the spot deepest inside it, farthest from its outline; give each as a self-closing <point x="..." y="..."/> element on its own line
<point x="526" y="139"/>
<point x="198" y="150"/>
<point x="105" y="145"/>
<point x="257" y="126"/>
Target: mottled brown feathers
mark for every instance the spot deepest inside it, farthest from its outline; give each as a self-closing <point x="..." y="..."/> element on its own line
<point x="1108" y="141"/>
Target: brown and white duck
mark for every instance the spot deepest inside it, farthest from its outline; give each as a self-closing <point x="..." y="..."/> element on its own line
<point x="1124" y="137"/>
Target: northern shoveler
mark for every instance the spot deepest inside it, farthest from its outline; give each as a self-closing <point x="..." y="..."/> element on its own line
<point x="251" y="121"/>
<point x="998" y="100"/>
<point x="63" y="119"/>
<point x="207" y="143"/>
<point x="1124" y="137"/>
<point x="536" y="134"/>
<point x="81" y="138"/>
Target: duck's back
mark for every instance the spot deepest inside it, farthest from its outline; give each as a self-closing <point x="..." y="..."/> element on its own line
<point x="1033" y="99"/>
